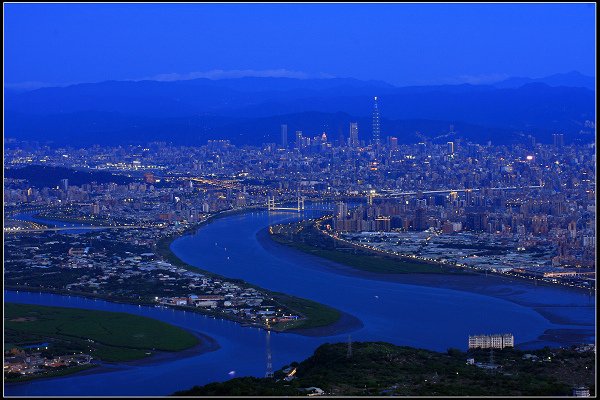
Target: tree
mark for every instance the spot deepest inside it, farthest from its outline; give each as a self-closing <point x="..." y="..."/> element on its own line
<point x="453" y="352"/>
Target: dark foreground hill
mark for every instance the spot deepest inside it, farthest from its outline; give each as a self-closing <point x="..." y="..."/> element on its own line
<point x="378" y="368"/>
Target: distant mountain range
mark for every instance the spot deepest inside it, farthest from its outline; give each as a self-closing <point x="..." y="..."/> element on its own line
<point x="571" y="79"/>
<point x="250" y="110"/>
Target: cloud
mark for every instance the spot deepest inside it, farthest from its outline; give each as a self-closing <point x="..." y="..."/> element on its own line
<point x="31" y="85"/>
<point x="237" y="73"/>
<point x="480" y="79"/>
<point x="174" y="76"/>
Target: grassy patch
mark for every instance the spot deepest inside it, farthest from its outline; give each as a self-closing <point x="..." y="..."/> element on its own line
<point x="305" y="237"/>
<point x="316" y="314"/>
<point x="109" y="336"/>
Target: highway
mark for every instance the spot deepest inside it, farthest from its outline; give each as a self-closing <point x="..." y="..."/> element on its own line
<point x="66" y="228"/>
<point x="394" y="194"/>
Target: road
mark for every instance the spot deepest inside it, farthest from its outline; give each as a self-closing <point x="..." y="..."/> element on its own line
<point x="65" y="228"/>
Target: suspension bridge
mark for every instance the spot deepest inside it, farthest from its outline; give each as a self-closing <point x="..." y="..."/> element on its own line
<point x="273" y="206"/>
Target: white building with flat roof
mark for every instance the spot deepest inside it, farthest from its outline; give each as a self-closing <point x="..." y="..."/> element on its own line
<point x="495" y="341"/>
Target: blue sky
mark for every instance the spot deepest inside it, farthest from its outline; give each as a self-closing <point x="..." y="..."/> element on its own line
<point x="404" y="44"/>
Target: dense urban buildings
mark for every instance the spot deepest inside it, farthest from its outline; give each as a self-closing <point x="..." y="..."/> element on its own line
<point x="519" y="209"/>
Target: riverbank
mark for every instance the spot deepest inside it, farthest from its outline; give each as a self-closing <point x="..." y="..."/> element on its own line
<point x="448" y="267"/>
<point x="519" y="291"/>
<point x="306" y="237"/>
<point x="311" y="314"/>
<point x="312" y="239"/>
<point x="207" y="344"/>
<point x="88" y="295"/>
<point x="71" y="220"/>
<point x="346" y="323"/>
<point x="107" y="336"/>
<point x="316" y="315"/>
<point x="113" y="339"/>
<point x="70" y="371"/>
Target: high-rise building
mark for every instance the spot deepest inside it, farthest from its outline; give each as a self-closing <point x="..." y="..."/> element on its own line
<point x="284" y="136"/>
<point x="353" y="134"/>
<point x="558" y="139"/>
<point x="299" y="143"/>
<point x="496" y="341"/>
<point x="420" y="223"/>
<point x="572" y="229"/>
<point x="450" y="147"/>
<point x="383" y="224"/>
<point x="341" y="210"/>
<point x="393" y="143"/>
<point x="376" y="129"/>
<point x="64" y="184"/>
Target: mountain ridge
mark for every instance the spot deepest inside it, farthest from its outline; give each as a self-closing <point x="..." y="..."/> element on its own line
<point x="253" y="108"/>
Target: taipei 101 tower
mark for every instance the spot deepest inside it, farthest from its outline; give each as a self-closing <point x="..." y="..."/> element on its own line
<point x="376" y="138"/>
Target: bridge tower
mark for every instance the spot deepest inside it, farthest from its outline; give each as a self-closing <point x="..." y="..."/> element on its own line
<point x="300" y="203"/>
<point x="269" y="373"/>
<point x="271" y="203"/>
<point x="349" y="352"/>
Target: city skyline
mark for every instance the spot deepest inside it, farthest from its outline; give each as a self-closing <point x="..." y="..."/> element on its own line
<point x="284" y="200"/>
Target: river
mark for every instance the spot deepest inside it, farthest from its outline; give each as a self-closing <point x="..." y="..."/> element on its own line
<point x="433" y="312"/>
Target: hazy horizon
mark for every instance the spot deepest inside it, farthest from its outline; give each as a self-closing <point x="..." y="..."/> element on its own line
<point x="217" y="75"/>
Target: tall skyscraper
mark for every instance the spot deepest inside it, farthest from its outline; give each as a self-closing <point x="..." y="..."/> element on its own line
<point x="393" y="143"/>
<point x="299" y="139"/>
<point x="353" y="134"/>
<point x="341" y="210"/>
<point x="284" y="137"/>
<point x="558" y="139"/>
<point x="420" y="223"/>
<point x="450" y="147"/>
<point x="376" y="130"/>
<point x="64" y="184"/>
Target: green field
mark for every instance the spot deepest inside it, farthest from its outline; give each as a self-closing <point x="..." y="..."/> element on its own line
<point x="109" y="336"/>
<point x="316" y="314"/>
<point x="305" y="237"/>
